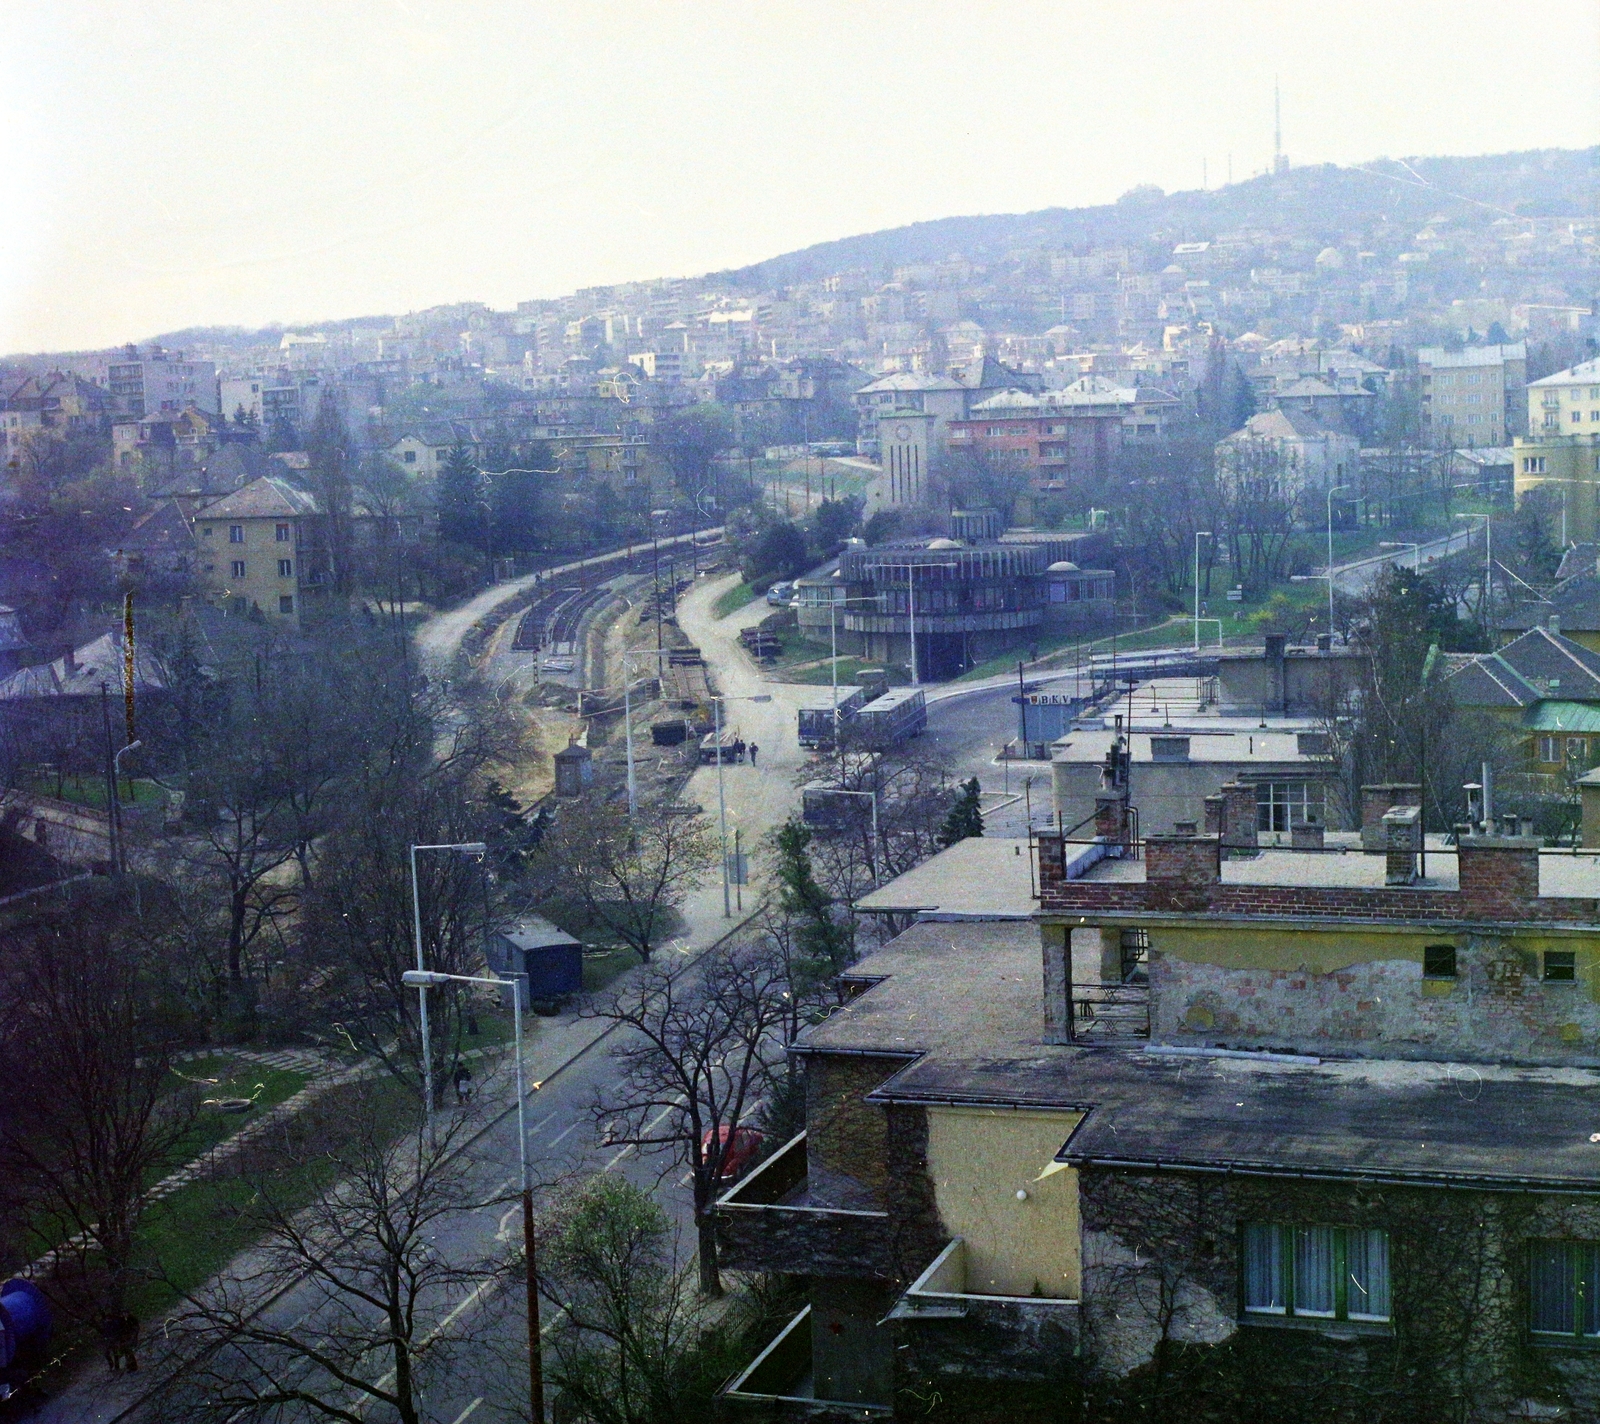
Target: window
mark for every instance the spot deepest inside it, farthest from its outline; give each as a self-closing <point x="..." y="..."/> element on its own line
<point x="1564" y="1288"/>
<point x="1282" y="804"/>
<point x="1547" y="749"/>
<point x="237" y="568"/>
<point x="1560" y="966"/>
<point x="1533" y="464"/>
<point x="281" y="534"/>
<point x="1135" y="956"/>
<point x="285" y="568"/>
<point x="206" y="531"/>
<point x="1439" y="961"/>
<point x="1321" y="1272"/>
<point x="410" y="457"/>
<point x="1577" y="748"/>
<point x="236" y="533"/>
<point x="1577" y="415"/>
<point x="286" y="603"/>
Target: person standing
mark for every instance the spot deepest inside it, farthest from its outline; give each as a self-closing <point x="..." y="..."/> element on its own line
<point x="753" y="750"/>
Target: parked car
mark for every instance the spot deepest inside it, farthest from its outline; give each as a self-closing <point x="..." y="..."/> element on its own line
<point x="737" y="1154"/>
<point x="780" y="595"/>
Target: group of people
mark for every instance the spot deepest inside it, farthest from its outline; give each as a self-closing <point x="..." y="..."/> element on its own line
<point x="740" y="747"/>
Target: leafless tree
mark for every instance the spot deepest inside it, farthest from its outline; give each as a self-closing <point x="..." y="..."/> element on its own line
<point x="692" y="1066"/>
<point x="384" y="1300"/>
<point x="628" y="873"/>
<point x="92" y="1116"/>
<point x="1255" y="484"/>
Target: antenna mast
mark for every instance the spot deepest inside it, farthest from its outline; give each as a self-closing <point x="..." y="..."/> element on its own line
<point x="1279" y="162"/>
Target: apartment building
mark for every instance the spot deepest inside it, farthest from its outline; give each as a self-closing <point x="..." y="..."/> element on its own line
<point x="162" y="382"/>
<point x="1312" y="1124"/>
<point x="264" y="549"/>
<point x="1561" y="454"/>
<point x="1566" y="403"/>
<point x="1475" y="396"/>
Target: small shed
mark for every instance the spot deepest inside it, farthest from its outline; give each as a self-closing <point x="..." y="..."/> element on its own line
<point x="547" y="960"/>
<point x="574" y="769"/>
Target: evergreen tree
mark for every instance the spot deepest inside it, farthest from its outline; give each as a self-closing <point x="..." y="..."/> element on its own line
<point x="824" y="942"/>
<point x="458" y="500"/>
<point x="329" y="455"/>
<point x="1242" y="403"/>
<point x="965" y="818"/>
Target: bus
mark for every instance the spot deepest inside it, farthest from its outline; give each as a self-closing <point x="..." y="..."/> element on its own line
<point x="817" y="715"/>
<point x="900" y="713"/>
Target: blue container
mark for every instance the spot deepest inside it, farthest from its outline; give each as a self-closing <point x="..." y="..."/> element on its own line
<point x="26" y="1309"/>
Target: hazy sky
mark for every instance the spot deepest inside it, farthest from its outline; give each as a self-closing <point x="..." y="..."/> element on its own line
<point x="172" y="164"/>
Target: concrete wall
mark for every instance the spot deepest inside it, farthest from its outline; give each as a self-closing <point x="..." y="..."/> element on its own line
<point x="1165" y="792"/>
<point x="845" y="1135"/>
<point x="1362" y="991"/>
<point x="979" y="1159"/>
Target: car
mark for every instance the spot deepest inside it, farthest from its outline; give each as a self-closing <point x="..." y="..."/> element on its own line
<point x="779" y="595"/>
<point x="737" y="1153"/>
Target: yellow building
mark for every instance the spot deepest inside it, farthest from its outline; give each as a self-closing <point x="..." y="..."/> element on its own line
<point x="264" y="549"/>
<point x="1568" y="466"/>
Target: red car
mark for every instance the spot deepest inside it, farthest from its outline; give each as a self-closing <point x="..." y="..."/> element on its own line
<point x="737" y="1153"/>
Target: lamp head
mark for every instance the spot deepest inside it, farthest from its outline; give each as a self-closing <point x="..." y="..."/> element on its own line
<point x="423" y="979"/>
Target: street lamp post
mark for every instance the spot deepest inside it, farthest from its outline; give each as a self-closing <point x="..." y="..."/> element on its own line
<point x="458" y="848"/>
<point x="1199" y="534"/>
<point x="423" y="980"/>
<point x="833" y="634"/>
<point x="1488" y="564"/>
<point x="627" y="717"/>
<point x="872" y="864"/>
<point x="1333" y="490"/>
<point x="120" y="858"/>
<point x="722" y="804"/>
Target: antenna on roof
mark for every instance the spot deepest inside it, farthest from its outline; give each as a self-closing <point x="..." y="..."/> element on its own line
<point x="1279" y="162"/>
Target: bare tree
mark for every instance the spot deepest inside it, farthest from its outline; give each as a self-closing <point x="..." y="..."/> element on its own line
<point x="629" y="873"/>
<point x="691" y="1070"/>
<point x="92" y="1114"/>
<point x="636" y="1346"/>
<point x="378" y="1278"/>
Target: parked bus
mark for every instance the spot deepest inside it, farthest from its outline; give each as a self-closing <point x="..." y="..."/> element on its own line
<point x="900" y="713"/>
<point x="817" y="713"/>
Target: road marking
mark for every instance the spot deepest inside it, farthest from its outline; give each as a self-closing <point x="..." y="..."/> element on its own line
<point x="468" y="1410"/>
<point x="566" y="1132"/>
<point x="648" y="1127"/>
<point x="542" y="1121"/>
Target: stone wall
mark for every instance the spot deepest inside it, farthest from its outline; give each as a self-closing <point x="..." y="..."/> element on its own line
<point x="1161" y="1293"/>
<point x="1498" y="1006"/>
<point x="844" y="1134"/>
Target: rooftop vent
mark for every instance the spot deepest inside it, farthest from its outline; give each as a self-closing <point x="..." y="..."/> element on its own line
<point x="1169" y="749"/>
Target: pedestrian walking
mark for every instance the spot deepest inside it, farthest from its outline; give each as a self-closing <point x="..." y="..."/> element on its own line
<point x="753" y="750"/>
<point x="463" y="1082"/>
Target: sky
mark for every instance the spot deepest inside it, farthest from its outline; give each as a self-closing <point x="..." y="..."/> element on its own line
<point x="176" y="164"/>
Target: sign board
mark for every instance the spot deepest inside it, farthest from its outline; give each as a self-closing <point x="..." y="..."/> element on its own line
<point x="738" y="868"/>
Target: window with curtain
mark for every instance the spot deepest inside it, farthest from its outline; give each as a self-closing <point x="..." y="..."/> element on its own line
<point x="1564" y="1288"/>
<point x="1316" y="1272"/>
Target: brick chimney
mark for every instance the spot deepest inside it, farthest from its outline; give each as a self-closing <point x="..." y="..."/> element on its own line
<point x="1052" y="863"/>
<point x="1111" y="819"/>
<point x="1376" y="800"/>
<point x="1216" y="814"/>
<point x="1499" y="874"/>
<point x="1180" y="870"/>
<point x="69" y="660"/>
<point x="1273" y="654"/>
<point x="1239" y="819"/>
<point x="1402" y="829"/>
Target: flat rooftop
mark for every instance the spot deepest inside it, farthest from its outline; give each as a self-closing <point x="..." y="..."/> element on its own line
<point x="961" y="1003"/>
<point x="1562" y="874"/>
<point x="1244" y="744"/>
<point x="982" y="877"/>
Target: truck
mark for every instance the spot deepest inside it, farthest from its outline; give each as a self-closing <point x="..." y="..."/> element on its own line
<point x="899" y="714"/>
<point x="816" y="717"/>
<point x="731" y="742"/>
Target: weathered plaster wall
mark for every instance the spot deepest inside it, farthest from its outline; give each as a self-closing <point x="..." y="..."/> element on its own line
<point x="845" y="1135"/>
<point x="1362" y="991"/>
<point x="979" y="1159"/>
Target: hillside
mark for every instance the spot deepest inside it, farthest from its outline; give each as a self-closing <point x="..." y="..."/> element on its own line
<point x="1323" y="202"/>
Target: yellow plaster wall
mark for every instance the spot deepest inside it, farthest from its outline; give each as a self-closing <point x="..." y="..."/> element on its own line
<point x="979" y="1158"/>
<point x="1323" y="952"/>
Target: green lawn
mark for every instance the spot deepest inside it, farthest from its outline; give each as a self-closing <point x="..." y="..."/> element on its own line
<point x="236" y="1079"/>
<point x="601" y="966"/>
<point x="91" y="790"/>
<point x="735" y="599"/>
<point x="822" y="675"/>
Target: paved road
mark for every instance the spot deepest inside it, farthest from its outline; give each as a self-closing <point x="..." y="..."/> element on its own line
<point x="1356" y="578"/>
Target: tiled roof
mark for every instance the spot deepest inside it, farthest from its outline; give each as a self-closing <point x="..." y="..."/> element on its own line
<point x="266" y="498"/>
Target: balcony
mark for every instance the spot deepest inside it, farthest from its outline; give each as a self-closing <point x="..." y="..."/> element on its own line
<point x="951" y="1330"/>
<point x="780" y="1383"/>
<point x="778" y="1219"/>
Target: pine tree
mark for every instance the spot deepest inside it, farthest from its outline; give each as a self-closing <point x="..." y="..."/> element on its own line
<point x="965" y="818"/>
<point x="458" y="500"/>
<point x="824" y="942"/>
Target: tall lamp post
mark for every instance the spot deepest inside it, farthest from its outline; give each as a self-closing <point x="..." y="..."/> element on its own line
<point x="1488" y="564"/>
<point x="722" y="805"/>
<point x="1333" y="490"/>
<point x="457" y="848"/>
<point x="833" y="634"/>
<point x="1199" y="534"/>
<point x="627" y="715"/>
<point x="422" y="980"/>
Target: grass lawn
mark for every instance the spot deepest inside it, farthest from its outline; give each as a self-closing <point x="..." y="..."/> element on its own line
<point x="91" y="790"/>
<point x="236" y="1079"/>
<point x="822" y="675"/>
<point x="734" y="599"/>
<point x="601" y="966"/>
